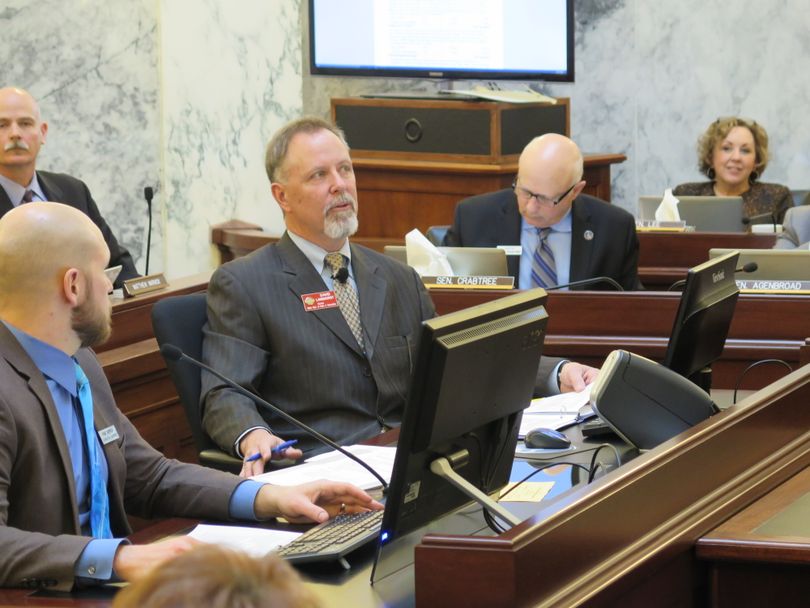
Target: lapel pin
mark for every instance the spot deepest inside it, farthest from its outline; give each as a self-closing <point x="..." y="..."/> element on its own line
<point x="588" y="235"/>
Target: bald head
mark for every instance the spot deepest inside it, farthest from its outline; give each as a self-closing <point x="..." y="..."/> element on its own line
<point x="39" y="242"/>
<point x="549" y="179"/>
<point x="17" y="96"/>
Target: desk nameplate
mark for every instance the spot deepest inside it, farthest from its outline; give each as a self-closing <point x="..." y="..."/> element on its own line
<point x="468" y="282"/>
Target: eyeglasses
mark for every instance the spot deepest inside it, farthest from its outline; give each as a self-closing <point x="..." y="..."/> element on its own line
<point x="528" y="195"/>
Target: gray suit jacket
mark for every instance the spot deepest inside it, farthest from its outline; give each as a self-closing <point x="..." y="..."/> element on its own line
<point x="39" y="526"/>
<point x="62" y="188"/>
<point x="308" y="363"/>
<point x="795" y="230"/>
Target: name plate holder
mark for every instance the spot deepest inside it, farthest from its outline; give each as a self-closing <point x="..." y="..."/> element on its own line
<point x="146" y="284"/>
<point x="773" y="286"/>
<point x="468" y="282"/>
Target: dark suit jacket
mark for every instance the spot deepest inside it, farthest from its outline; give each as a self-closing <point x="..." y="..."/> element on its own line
<point x="61" y="188"/>
<point x="493" y="219"/>
<point x="308" y="363"/>
<point x="39" y="526"/>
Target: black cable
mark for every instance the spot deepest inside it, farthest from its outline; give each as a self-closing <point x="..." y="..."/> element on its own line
<point x="592" y="468"/>
<point x="752" y="366"/>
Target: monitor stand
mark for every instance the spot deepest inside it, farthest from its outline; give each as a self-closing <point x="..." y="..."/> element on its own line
<point x="444" y="467"/>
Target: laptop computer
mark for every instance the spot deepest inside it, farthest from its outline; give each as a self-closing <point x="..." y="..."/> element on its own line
<point x="772" y="264"/>
<point x="705" y="213"/>
<point x="465" y="261"/>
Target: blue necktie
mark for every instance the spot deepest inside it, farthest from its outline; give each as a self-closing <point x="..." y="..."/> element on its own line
<point x="99" y="501"/>
<point x="544" y="270"/>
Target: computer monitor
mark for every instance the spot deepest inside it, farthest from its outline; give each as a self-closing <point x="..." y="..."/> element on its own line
<point x="772" y="264"/>
<point x="705" y="213"/>
<point x="474" y="373"/>
<point x="703" y="319"/>
<point x="465" y="261"/>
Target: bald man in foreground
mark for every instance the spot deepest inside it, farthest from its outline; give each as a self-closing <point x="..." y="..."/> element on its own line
<point x="560" y="235"/>
<point x="71" y="464"/>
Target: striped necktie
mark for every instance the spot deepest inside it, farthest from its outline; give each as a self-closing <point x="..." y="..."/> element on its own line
<point x="346" y="297"/>
<point x="99" y="500"/>
<point x="544" y="270"/>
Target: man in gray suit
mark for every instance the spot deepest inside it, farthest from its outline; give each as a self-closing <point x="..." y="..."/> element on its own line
<point x="277" y="321"/>
<point x="795" y="229"/>
<point x="71" y="465"/>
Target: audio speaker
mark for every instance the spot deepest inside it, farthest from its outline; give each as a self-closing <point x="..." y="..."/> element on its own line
<point x="445" y="130"/>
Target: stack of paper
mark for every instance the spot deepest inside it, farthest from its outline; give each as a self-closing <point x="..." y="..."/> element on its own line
<point x="554" y="412"/>
<point x="334" y="466"/>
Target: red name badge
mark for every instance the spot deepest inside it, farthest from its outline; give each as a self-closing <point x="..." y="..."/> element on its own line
<point x="320" y="300"/>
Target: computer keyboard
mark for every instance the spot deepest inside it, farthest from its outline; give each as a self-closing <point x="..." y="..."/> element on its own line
<point x="335" y="538"/>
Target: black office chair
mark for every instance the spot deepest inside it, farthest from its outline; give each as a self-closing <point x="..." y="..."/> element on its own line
<point x="435" y="234"/>
<point x="179" y="320"/>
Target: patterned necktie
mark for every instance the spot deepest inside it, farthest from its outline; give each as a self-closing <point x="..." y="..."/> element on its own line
<point x="346" y="297"/>
<point x="27" y="197"/>
<point x="544" y="271"/>
<point x="99" y="501"/>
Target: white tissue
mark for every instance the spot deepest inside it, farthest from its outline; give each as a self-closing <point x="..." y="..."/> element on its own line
<point x="668" y="208"/>
<point x="424" y="257"/>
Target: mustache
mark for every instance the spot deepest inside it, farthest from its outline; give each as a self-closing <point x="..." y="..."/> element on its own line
<point x="17" y="144"/>
<point x="341" y="199"/>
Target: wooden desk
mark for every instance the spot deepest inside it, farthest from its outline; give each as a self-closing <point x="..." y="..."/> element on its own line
<point x="767" y="566"/>
<point x="627" y="539"/>
<point x="664" y="257"/>
<point x="587" y="326"/>
<point x="138" y="375"/>
<point x="396" y="196"/>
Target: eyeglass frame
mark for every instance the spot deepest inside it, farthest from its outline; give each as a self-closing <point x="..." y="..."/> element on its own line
<point x="542" y="198"/>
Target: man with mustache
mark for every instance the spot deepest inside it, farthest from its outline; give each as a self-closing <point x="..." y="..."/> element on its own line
<point x="71" y="465"/>
<point x="22" y="133"/>
<point x="283" y="320"/>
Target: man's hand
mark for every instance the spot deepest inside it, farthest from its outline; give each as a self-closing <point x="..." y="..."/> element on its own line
<point x="314" y="501"/>
<point x="134" y="561"/>
<point x="261" y="441"/>
<point x="574" y="377"/>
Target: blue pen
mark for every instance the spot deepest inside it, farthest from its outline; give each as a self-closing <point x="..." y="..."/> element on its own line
<point x="276" y="450"/>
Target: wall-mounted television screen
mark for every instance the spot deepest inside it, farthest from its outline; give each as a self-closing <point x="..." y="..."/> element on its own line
<point x="469" y="39"/>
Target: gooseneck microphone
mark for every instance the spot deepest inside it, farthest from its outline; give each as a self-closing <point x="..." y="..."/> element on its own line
<point x="172" y="353"/>
<point x="341" y="275"/>
<point x="148" y="194"/>
<point x="590" y="281"/>
<point x="749" y="267"/>
<point x="761" y="218"/>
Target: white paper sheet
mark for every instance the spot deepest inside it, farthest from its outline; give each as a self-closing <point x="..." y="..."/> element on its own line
<point x="255" y="541"/>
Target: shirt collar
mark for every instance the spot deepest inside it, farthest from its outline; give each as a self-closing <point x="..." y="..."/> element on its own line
<point x="52" y="362"/>
<point x="315" y="254"/>
<point x="15" y="191"/>
<point x="564" y="225"/>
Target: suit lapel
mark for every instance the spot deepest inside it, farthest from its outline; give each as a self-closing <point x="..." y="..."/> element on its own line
<point x="50" y="189"/>
<point x="581" y="248"/>
<point x="372" y="292"/>
<point x="5" y="202"/>
<point x="303" y="279"/>
<point x="510" y="232"/>
<point x="22" y="364"/>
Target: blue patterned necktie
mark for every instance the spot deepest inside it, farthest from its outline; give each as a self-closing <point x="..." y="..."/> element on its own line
<point x="544" y="270"/>
<point x="99" y="501"/>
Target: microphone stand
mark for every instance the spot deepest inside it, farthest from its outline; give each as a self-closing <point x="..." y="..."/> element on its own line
<point x="148" y="193"/>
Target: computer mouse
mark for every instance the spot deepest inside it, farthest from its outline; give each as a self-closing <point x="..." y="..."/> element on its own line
<point x="546" y="439"/>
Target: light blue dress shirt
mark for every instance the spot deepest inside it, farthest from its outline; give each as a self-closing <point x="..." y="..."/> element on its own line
<point x="96" y="561"/>
<point x="560" y="242"/>
<point x="15" y="191"/>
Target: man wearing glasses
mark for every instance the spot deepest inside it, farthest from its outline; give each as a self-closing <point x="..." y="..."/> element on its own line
<point x="553" y="233"/>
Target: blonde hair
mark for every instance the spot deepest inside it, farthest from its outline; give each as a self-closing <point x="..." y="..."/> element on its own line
<point x="719" y="130"/>
<point x="210" y="576"/>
